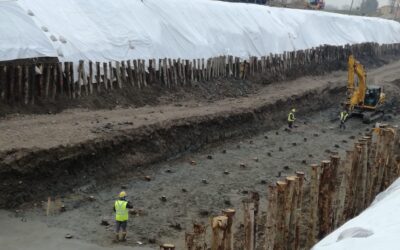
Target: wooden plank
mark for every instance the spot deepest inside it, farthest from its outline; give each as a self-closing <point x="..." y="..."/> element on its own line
<point x="105" y="75"/>
<point x="19" y="88"/>
<point x="139" y="73"/>
<point x="165" y="72"/>
<point x="203" y="70"/>
<point x="248" y="225"/>
<point x="298" y="217"/>
<point x="98" y="77"/>
<point x="313" y="210"/>
<point x="118" y="73"/>
<point x="47" y="74"/>
<point x="325" y="200"/>
<point x="209" y="69"/>
<point x="230" y="66"/>
<point x="186" y="72"/>
<point x="144" y="73"/>
<point x="290" y="208"/>
<point x="32" y="80"/>
<point x="26" y="84"/>
<point x="123" y="74"/>
<point x="160" y="63"/>
<point x="157" y="71"/>
<point x="175" y="72"/>
<point x="90" y="77"/>
<point x="3" y="82"/>
<point x="178" y="71"/>
<point x="68" y="79"/>
<point x="72" y="81"/>
<point x="39" y="71"/>
<point x="280" y="216"/>
<point x="214" y="67"/>
<point x="271" y="216"/>
<point x="80" y="79"/>
<point x="12" y="84"/>
<point x="151" y="71"/>
<point x="58" y="80"/>
<point x="111" y="75"/>
<point x="155" y="68"/>
<point x="170" y="72"/>
<point x="136" y="73"/>
<point x="191" y="72"/>
<point x="194" y="71"/>
<point x="85" y="79"/>
<point x="219" y="66"/>
<point x="54" y="80"/>
<point x="130" y="74"/>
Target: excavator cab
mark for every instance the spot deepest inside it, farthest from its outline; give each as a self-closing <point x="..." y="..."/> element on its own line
<point x="373" y="96"/>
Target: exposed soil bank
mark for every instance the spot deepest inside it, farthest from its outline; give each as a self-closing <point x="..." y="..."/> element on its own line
<point x="34" y="173"/>
<point x="41" y="158"/>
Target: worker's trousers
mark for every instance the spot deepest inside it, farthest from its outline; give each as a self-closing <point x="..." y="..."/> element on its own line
<point x="342" y="125"/>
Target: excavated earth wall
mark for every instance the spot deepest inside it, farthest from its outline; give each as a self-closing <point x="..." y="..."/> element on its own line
<point x="32" y="173"/>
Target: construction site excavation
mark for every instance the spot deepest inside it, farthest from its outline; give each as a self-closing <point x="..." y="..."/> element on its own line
<point x="201" y="125"/>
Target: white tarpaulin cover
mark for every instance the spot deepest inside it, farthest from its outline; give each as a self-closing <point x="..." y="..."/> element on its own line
<point x="104" y="30"/>
<point x="377" y="228"/>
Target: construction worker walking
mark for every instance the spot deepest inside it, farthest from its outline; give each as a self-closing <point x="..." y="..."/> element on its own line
<point x="343" y="118"/>
<point x="291" y="118"/>
<point x="121" y="207"/>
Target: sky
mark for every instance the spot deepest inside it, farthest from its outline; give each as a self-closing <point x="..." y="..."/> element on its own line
<point x="340" y="3"/>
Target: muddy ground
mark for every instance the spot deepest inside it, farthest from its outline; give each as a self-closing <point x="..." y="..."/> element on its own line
<point x="122" y="146"/>
<point x="266" y="156"/>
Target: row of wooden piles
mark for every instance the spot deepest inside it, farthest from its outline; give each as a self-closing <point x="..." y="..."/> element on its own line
<point x="301" y="212"/>
<point x="339" y="190"/>
<point x="32" y="82"/>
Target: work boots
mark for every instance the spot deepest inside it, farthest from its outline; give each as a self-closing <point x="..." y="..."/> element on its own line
<point x="123" y="237"/>
<point x="116" y="240"/>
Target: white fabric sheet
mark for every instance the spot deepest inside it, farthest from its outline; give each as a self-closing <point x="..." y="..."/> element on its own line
<point x="377" y="228"/>
<point x="104" y="30"/>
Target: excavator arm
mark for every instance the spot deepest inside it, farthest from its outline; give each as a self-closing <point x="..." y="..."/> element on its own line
<point x="356" y="93"/>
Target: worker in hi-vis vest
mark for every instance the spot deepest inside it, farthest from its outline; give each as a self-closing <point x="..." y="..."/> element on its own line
<point x="291" y="118"/>
<point x="343" y="118"/>
<point x="121" y="207"/>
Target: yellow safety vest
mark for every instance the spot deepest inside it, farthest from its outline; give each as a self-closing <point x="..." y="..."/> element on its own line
<point x="121" y="210"/>
<point x="291" y="117"/>
<point x="343" y="116"/>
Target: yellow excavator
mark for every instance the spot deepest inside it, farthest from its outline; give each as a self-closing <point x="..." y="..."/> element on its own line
<point x="362" y="100"/>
